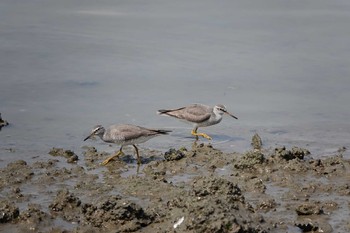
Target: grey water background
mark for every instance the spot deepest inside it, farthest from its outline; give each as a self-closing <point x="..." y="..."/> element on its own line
<point x="281" y="66"/>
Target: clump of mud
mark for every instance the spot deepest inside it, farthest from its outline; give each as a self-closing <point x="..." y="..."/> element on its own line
<point x="8" y="211"/>
<point x="173" y="154"/>
<point x="256" y="142"/>
<point x="34" y="218"/>
<point x="67" y="205"/>
<point x="15" y="173"/>
<point x="217" y="205"/>
<point x="116" y="212"/>
<point x="70" y="155"/>
<point x="294" y="153"/>
<point x="92" y="156"/>
<point x="249" y="160"/>
<point x="108" y="212"/>
<point x="309" y="209"/>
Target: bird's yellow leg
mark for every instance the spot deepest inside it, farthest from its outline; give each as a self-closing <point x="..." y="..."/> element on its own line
<point x="194" y="132"/>
<point x="137" y="154"/>
<point x="119" y="153"/>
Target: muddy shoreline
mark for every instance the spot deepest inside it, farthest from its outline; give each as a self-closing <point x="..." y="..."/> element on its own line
<point x="197" y="189"/>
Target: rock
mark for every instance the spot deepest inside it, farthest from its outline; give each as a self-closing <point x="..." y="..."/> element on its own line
<point x="256" y="142"/>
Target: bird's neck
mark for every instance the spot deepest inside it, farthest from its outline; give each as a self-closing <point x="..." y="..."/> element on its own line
<point x="101" y="135"/>
<point x="217" y="117"/>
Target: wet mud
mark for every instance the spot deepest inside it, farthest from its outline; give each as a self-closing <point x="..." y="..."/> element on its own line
<point x="197" y="189"/>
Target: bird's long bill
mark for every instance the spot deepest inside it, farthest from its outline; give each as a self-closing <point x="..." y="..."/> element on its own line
<point x="88" y="136"/>
<point x="231" y="115"/>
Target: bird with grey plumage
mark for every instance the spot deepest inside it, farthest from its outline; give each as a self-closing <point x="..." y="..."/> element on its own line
<point x="199" y="115"/>
<point x="123" y="135"/>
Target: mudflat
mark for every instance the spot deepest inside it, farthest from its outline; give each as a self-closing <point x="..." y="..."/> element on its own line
<point x="197" y="189"/>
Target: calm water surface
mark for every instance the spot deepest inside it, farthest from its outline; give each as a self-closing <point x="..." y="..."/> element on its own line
<point x="282" y="67"/>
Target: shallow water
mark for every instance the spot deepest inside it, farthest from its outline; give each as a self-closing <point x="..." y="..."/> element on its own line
<point x="280" y="66"/>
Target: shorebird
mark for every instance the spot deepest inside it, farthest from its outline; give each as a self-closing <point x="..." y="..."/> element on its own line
<point x="123" y="135"/>
<point x="198" y="115"/>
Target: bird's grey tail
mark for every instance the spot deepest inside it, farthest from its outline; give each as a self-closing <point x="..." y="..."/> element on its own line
<point x="163" y="111"/>
<point x="162" y="131"/>
<point x="168" y="111"/>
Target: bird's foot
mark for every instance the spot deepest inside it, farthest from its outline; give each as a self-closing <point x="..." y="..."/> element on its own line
<point x="112" y="157"/>
<point x="194" y="133"/>
<point x="205" y="136"/>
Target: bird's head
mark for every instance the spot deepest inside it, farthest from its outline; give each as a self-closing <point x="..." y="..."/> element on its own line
<point x="97" y="130"/>
<point x="221" y="109"/>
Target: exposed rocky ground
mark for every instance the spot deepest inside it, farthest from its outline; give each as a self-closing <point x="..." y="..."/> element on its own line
<point x="198" y="189"/>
